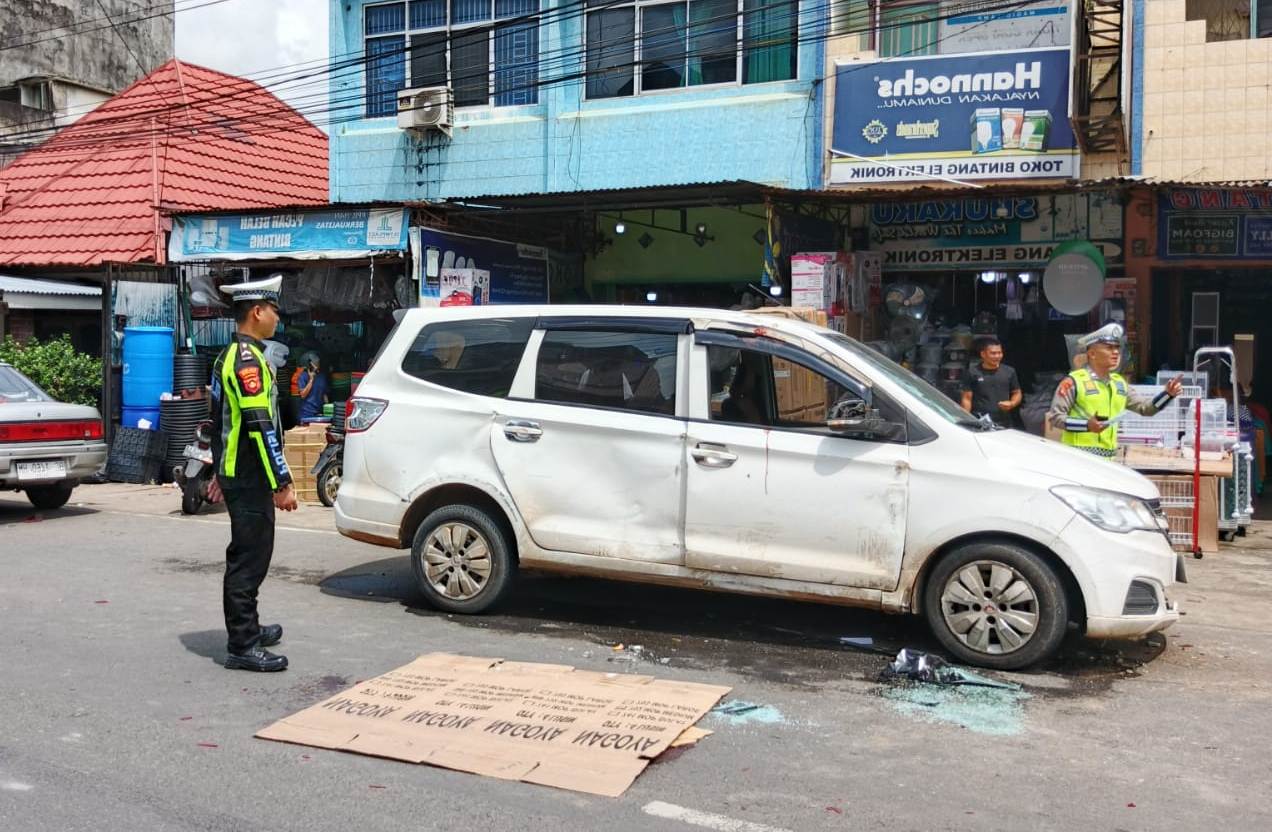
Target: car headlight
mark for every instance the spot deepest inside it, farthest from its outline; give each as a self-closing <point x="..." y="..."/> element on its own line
<point x="1110" y="510"/>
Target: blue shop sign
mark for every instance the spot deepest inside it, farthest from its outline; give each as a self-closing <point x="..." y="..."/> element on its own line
<point x="300" y="235"/>
<point x="1215" y="224"/>
<point x="992" y="115"/>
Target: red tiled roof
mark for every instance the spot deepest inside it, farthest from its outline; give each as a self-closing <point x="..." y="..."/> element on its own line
<point x="184" y="138"/>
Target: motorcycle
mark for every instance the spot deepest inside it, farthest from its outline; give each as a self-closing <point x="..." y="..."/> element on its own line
<point x="329" y="467"/>
<point x="195" y="474"/>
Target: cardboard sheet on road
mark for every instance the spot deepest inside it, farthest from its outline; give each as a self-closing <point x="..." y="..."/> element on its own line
<point x="538" y="723"/>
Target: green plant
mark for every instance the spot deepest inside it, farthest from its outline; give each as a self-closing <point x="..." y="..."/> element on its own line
<point x="55" y="365"/>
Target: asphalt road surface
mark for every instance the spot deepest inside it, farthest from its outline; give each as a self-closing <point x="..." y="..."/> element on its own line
<point x="115" y="712"/>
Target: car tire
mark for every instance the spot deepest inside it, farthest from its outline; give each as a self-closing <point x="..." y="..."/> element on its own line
<point x="329" y="483"/>
<point x="49" y="497"/>
<point x="191" y="501"/>
<point x="463" y="559"/>
<point x="981" y="599"/>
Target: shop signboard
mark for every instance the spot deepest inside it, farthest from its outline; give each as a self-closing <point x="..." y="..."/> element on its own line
<point x="983" y="233"/>
<point x="991" y="25"/>
<point x="1215" y="223"/>
<point x="296" y="235"/>
<point x="990" y="115"/>
<point x="483" y="269"/>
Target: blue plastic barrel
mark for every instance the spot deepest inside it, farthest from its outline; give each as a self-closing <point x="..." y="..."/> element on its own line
<point x="130" y="416"/>
<point x="147" y="365"/>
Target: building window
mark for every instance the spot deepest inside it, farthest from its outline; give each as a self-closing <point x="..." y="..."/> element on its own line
<point x="906" y="28"/>
<point x="487" y="51"/>
<point x="651" y="45"/>
<point x="1232" y="19"/>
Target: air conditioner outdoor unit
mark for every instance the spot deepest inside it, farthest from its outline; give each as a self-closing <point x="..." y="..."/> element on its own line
<point x="426" y="108"/>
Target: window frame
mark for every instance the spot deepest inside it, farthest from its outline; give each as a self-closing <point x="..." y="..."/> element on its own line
<point x="876" y="25"/>
<point x="426" y="330"/>
<point x="526" y="385"/>
<point x="872" y="396"/>
<point x="638" y="51"/>
<point x="492" y="24"/>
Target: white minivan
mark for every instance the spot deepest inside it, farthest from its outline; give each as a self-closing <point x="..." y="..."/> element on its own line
<point x="738" y="452"/>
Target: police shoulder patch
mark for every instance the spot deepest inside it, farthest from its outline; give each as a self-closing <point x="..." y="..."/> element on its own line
<point x="1066" y="386"/>
<point x="250" y="378"/>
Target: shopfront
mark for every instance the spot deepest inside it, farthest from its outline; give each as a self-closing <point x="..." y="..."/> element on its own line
<point x="959" y="268"/>
<point x="1203" y="257"/>
<point x="344" y="273"/>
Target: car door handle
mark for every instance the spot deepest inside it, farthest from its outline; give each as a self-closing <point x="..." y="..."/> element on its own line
<point x="523" y="431"/>
<point x="713" y="456"/>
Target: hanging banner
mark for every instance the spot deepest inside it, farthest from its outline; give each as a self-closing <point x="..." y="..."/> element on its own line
<point x="476" y="270"/>
<point x="298" y="235"/>
<point x="988" y="233"/>
<point x="992" y="26"/>
<point x="1215" y="224"/>
<point x="999" y="115"/>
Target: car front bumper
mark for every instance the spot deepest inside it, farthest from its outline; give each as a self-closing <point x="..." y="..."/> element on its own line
<point x="1106" y="566"/>
<point x="82" y="459"/>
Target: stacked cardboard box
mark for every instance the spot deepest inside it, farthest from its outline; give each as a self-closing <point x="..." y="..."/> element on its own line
<point x="302" y="447"/>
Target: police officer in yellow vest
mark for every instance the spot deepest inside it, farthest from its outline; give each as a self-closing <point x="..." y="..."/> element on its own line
<point x="247" y="449"/>
<point x="1090" y="400"/>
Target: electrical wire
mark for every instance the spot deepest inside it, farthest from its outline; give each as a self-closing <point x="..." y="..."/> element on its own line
<point x="329" y="104"/>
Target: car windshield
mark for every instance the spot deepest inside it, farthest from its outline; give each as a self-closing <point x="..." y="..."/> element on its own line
<point x="908" y="381"/>
<point x="15" y="387"/>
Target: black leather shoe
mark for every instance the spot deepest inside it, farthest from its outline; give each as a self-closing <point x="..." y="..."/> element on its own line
<point x="258" y="659"/>
<point x="271" y="634"/>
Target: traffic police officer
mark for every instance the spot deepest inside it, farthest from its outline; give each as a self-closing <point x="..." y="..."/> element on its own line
<point x="1090" y="400"/>
<point x="247" y="449"/>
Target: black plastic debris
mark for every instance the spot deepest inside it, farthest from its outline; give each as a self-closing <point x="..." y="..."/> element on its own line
<point x="934" y="670"/>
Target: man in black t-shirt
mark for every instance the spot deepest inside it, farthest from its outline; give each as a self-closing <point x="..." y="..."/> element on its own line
<point x="992" y="387"/>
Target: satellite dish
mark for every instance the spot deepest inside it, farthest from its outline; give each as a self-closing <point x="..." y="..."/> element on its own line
<point x="1074" y="279"/>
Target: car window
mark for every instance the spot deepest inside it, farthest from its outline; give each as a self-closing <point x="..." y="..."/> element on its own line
<point x="623" y="370"/>
<point x="750" y="387"/>
<point x="15" y="387"/>
<point x="473" y="356"/>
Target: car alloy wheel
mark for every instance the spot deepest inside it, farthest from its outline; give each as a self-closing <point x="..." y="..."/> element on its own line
<point x="990" y="607"/>
<point x="457" y="561"/>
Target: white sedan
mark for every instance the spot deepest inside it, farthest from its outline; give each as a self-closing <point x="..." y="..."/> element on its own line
<point x="46" y="446"/>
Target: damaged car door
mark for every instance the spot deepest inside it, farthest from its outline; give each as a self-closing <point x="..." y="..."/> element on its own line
<point x="591" y="445"/>
<point x="796" y="470"/>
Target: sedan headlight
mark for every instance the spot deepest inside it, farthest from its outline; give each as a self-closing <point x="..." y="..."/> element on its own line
<point x="1110" y="510"/>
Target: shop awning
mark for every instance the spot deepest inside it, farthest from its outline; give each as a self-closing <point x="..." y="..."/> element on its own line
<point x="27" y="293"/>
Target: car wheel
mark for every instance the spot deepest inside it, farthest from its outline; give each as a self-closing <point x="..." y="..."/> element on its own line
<point x="49" y="497"/>
<point x="329" y="484"/>
<point x="462" y="559"/>
<point x="996" y="605"/>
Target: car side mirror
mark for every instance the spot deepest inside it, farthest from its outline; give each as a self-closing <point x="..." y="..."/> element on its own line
<point x="864" y="422"/>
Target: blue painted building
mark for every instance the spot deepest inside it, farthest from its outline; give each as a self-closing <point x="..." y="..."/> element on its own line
<point x="567" y="96"/>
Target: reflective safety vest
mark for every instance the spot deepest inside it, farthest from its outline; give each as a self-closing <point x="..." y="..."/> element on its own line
<point x="1101" y="399"/>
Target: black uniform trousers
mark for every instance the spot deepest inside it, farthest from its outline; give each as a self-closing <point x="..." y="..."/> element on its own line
<point x="251" y="506"/>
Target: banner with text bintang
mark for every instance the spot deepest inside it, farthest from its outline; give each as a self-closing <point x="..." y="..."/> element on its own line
<point x="1215" y="224"/>
<point x="299" y="235"/>
<point x="991" y="115"/>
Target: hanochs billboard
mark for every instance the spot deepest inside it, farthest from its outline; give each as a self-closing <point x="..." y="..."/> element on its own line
<point x="989" y="115"/>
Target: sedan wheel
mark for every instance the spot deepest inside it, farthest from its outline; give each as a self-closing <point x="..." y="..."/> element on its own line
<point x="457" y="561"/>
<point x="990" y="607"/>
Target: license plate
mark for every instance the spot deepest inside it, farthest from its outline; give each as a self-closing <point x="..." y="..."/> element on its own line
<point x="201" y="454"/>
<point x="53" y="469"/>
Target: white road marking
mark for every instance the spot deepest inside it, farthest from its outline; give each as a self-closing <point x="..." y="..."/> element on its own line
<point x="707" y="820"/>
<point x="277" y="527"/>
<point x="15" y="786"/>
